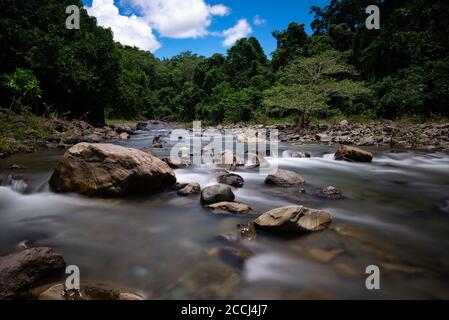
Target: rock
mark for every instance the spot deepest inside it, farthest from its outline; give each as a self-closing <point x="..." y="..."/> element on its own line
<point x="124" y="136"/>
<point x="344" y="123"/>
<point x="93" y="138"/>
<point x="294" y="218"/>
<point x="211" y="281"/>
<point x="227" y="160"/>
<point x="445" y="207"/>
<point x="285" y="179"/>
<point x="353" y="154"/>
<point x="87" y="292"/>
<point x="330" y="193"/>
<point x="298" y="154"/>
<point x="174" y="164"/>
<point x="229" y="207"/>
<point x="17" y="184"/>
<point x="231" y="179"/>
<point x="323" y="137"/>
<point x="260" y="161"/>
<point x="403" y="268"/>
<point x="217" y="193"/>
<point x="191" y="188"/>
<point x="235" y="256"/>
<point x="120" y="128"/>
<point x="107" y="170"/>
<point x="24" y="244"/>
<point x="22" y="271"/>
<point x="142" y="126"/>
<point x="325" y="256"/>
<point x="157" y="146"/>
<point x="247" y="231"/>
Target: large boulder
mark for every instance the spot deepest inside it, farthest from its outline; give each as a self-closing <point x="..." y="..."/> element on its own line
<point x="285" y="178"/>
<point x="107" y="170"/>
<point x="217" y="193"/>
<point x="231" y="179"/>
<point x="353" y="154"/>
<point x="294" y="218"/>
<point x="22" y="271"/>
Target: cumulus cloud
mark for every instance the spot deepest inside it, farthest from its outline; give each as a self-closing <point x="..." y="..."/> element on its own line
<point x="258" y="21"/>
<point x="241" y="30"/>
<point x="128" y="30"/>
<point x="179" y="19"/>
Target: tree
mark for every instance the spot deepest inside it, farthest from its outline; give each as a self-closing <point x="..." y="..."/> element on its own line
<point x="291" y="44"/>
<point x="303" y="99"/>
<point x="23" y="86"/>
<point x="313" y="84"/>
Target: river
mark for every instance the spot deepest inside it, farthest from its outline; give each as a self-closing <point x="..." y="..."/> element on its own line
<point x="163" y="246"/>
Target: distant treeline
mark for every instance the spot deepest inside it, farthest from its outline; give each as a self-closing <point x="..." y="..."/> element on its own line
<point x="342" y="69"/>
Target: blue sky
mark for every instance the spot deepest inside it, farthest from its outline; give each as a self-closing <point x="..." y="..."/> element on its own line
<point x="169" y="27"/>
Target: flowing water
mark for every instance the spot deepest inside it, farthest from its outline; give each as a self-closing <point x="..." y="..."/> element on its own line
<point x="163" y="246"/>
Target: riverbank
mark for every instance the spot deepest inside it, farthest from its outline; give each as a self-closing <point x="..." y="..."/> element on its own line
<point x="428" y="137"/>
<point x="28" y="133"/>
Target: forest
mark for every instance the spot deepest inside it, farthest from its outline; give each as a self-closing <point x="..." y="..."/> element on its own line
<point x="342" y="69"/>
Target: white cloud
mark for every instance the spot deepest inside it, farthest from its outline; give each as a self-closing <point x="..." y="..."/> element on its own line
<point x="128" y="30"/>
<point x="219" y="10"/>
<point x="258" y="21"/>
<point x="237" y="32"/>
<point x="179" y="18"/>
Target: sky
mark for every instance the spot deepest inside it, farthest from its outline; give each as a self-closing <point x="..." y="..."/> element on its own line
<point x="169" y="27"/>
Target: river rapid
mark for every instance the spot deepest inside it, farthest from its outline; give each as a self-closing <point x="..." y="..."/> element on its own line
<point x="164" y="246"/>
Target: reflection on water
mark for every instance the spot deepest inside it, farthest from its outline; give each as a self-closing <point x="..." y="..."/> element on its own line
<point x="160" y="246"/>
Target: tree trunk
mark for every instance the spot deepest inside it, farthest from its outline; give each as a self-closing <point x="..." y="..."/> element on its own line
<point x="12" y="103"/>
<point x="301" y="122"/>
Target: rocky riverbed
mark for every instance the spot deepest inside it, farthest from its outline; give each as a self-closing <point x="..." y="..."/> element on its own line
<point x="421" y="137"/>
<point x="129" y="216"/>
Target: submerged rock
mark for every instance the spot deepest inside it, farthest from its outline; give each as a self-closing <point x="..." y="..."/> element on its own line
<point x="22" y="271"/>
<point x="157" y="145"/>
<point x="285" y="179"/>
<point x="330" y="193"/>
<point x="228" y="160"/>
<point x="229" y="207"/>
<point x="325" y="256"/>
<point x="294" y="218"/>
<point x="107" y="170"/>
<point x="191" y="188"/>
<point x="231" y="179"/>
<point x="17" y="184"/>
<point x="353" y="154"/>
<point x="175" y="164"/>
<point x="445" y="207"/>
<point x="211" y="281"/>
<point x="217" y="193"/>
<point x="233" y="255"/>
<point x="87" y="292"/>
<point x="298" y="154"/>
<point x="17" y="167"/>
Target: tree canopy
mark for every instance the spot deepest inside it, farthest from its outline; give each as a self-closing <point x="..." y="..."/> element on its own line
<point x="342" y="68"/>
